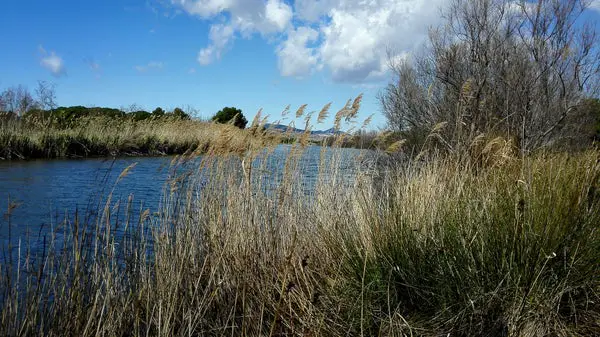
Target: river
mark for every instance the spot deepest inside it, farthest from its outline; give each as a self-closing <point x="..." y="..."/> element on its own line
<point x="38" y="195"/>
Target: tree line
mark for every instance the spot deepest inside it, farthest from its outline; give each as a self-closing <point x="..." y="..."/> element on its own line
<point x="19" y="103"/>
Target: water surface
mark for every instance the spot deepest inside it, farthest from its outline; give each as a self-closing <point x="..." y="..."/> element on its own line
<point x="46" y="192"/>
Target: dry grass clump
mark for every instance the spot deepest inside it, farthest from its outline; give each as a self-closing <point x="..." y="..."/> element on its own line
<point x="507" y="250"/>
<point x="240" y="247"/>
<point x="490" y="152"/>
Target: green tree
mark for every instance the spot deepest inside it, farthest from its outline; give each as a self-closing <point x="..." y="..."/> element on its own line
<point x="158" y="112"/>
<point x="227" y="114"/>
<point x="140" y="115"/>
<point x="179" y="113"/>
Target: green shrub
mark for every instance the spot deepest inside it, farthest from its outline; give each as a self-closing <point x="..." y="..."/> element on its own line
<point x="231" y="115"/>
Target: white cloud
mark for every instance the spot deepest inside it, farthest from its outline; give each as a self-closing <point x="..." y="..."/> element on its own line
<point x="245" y="17"/>
<point x="221" y="36"/>
<point x="595" y="5"/>
<point x="358" y="35"/>
<point x="154" y="65"/>
<point x="313" y="10"/>
<point x="348" y="38"/>
<point x="52" y="62"/>
<point x="278" y="13"/>
<point x="204" y="8"/>
<point x="295" y="58"/>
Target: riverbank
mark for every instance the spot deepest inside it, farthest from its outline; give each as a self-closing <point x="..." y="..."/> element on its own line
<point x="508" y="246"/>
<point x="113" y="137"/>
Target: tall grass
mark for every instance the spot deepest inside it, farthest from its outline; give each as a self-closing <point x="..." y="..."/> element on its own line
<point x="511" y="250"/>
<point x="105" y="136"/>
<point x="443" y="246"/>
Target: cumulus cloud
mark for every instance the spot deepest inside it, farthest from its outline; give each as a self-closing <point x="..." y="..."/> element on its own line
<point x="278" y="13"/>
<point x="154" y="65"/>
<point x="52" y="62"/>
<point x="204" y="8"/>
<point x="349" y="38"/>
<point x="313" y="10"/>
<point x="295" y="57"/>
<point x="595" y="4"/>
<point x="244" y="18"/>
<point x="221" y="37"/>
<point x="358" y="35"/>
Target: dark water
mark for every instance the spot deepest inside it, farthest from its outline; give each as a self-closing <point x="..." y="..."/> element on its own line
<point x="46" y="192"/>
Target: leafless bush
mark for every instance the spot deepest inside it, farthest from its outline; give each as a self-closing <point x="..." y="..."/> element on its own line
<point x="46" y="95"/>
<point x="511" y="68"/>
<point x="17" y="100"/>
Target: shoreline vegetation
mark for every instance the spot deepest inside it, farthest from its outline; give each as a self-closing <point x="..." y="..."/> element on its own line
<point x="479" y="243"/>
<point x="37" y="135"/>
<point x="79" y="132"/>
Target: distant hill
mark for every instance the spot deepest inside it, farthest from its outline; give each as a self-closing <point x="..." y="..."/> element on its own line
<point x="316" y="133"/>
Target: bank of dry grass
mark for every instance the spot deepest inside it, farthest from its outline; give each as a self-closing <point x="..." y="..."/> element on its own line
<point x="104" y="136"/>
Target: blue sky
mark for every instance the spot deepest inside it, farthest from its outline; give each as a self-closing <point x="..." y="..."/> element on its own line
<point x="211" y="53"/>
